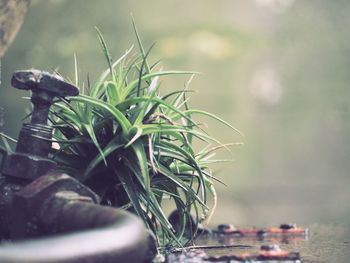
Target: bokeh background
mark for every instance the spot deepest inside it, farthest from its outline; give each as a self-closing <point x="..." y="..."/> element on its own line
<point x="276" y="69"/>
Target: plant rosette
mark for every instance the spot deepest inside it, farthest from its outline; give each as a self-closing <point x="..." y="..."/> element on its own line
<point x="135" y="147"/>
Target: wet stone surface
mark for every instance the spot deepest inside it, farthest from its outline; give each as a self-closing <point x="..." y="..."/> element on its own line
<point x="322" y="244"/>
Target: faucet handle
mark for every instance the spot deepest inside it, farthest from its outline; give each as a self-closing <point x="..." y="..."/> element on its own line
<point x="37" y="80"/>
<point x="44" y="87"/>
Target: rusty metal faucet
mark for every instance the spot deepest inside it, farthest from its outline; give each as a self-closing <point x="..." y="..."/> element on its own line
<point x="50" y="216"/>
<point x="34" y="142"/>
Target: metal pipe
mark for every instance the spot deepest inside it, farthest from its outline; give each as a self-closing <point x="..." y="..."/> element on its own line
<point x="92" y="233"/>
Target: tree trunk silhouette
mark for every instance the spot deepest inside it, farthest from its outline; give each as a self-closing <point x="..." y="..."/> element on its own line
<point x="12" y="13"/>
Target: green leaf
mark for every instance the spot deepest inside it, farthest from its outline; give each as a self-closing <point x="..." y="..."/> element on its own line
<point x="105" y="51"/>
<point x="132" y="85"/>
<point x="175" y="131"/>
<point x="139" y="42"/>
<point x="181" y="184"/>
<point x="132" y="101"/>
<point x="144" y="63"/>
<point x="119" y="116"/>
<point x="193" y="111"/>
<point x="105" y="74"/>
<point x="90" y="130"/>
<point x="142" y="160"/>
<point x="112" y="93"/>
<point x="137" y="135"/>
<point x="111" y="147"/>
<point x="192" y="162"/>
<point x="132" y="191"/>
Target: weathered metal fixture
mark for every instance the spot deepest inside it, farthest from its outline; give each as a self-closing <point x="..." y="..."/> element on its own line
<point x="61" y="217"/>
<point x="69" y="226"/>
<point x="34" y="142"/>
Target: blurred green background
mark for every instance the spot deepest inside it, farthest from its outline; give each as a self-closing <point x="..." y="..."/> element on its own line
<point x="276" y="69"/>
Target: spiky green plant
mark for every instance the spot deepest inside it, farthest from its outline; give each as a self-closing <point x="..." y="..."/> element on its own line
<point x="134" y="146"/>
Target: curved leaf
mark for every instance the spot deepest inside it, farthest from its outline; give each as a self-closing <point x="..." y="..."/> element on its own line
<point x="118" y="115"/>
